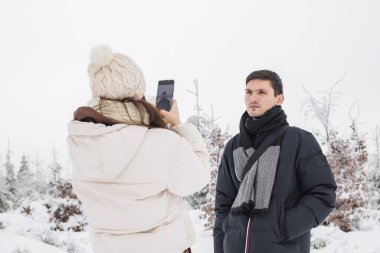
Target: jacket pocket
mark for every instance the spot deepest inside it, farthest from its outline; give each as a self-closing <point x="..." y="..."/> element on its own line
<point x="225" y="223"/>
<point x="234" y="238"/>
<point x="281" y="232"/>
<point x="281" y="223"/>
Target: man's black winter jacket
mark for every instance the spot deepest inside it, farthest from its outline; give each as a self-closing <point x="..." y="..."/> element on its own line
<point x="303" y="195"/>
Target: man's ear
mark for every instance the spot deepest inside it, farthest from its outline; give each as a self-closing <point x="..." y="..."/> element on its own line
<point x="280" y="99"/>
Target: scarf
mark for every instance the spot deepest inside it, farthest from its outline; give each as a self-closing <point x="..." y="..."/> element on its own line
<point x="120" y="112"/>
<point x="256" y="187"/>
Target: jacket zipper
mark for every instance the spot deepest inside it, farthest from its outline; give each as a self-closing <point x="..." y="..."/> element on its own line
<point x="248" y="235"/>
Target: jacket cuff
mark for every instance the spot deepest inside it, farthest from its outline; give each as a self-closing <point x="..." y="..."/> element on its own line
<point x="187" y="130"/>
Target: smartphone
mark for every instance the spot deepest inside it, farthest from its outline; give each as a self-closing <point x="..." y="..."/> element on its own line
<point x="165" y="93"/>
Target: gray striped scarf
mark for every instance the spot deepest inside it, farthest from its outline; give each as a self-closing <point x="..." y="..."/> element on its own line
<point x="256" y="187"/>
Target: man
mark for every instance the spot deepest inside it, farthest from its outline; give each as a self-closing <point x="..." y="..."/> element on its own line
<point x="288" y="191"/>
<point x="164" y="103"/>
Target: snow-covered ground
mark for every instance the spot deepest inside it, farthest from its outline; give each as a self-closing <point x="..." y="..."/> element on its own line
<point x="334" y="239"/>
<point x="24" y="234"/>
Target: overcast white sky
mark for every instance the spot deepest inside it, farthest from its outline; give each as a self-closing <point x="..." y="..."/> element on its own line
<point x="44" y="48"/>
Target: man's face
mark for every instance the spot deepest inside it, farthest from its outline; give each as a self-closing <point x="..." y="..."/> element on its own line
<point x="259" y="97"/>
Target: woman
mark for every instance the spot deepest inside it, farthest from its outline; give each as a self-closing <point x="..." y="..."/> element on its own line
<point x="130" y="170"/>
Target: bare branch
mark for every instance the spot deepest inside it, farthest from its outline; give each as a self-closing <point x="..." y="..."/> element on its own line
<point x="322" y="107"/>
<point x="354" y="118"/>
<point x="192" y="92"/>
<point x="212" y="118"/>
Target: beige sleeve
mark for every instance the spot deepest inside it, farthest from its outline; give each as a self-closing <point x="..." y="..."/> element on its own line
<point x="191" y="169"/>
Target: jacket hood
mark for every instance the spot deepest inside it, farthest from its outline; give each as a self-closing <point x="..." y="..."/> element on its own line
<point x="100" y="152"/>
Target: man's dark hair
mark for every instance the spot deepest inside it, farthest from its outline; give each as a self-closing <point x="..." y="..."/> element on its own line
<point x="267" y="75"/>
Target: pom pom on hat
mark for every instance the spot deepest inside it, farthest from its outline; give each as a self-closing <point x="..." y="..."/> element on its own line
<point x="101" y="55"/>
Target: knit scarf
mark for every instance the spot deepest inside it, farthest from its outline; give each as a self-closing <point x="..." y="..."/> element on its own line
<point x="121" y="112"/>
<point x="256" y="187"/>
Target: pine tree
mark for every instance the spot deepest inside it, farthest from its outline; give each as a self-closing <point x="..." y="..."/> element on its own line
<point x="5" y="198"/>
<point x="25" y="181"/>
<point x="41" y="184"/>
<point x="199" y="198"/>
<point x="10" y="181"/>
<point x="4" y="203"/>
<point x="204" y="127"/>
<point x="66" y="209"/>
<point x="55" y="169"/>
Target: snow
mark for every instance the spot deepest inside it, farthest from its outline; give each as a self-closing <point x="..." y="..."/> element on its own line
<point x="13" y="244"/>
<point x="335" y="240"/>
<point x="338" y="241"/>
<point x="29" y="234"/>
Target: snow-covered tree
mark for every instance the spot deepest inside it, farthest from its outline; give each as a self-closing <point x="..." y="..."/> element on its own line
<point x="374" y="170"/>
<point x="197" y="106"/>
<point x="374" y="165"/>
<point x="204" y="127"/>
<point x="376" y="140"/>
<point x="1" y="168"/>
<point x="200" y="197"/>
<point x="10" y="180"/>
<point x="322" y="108"/>
<point x="55" y="169"/>
<point x="41" y="181"/>
<point x="65" y="209"/>
<point x="3" y="192"/>
<point x="216" y="143"/>
<point x="7" y="183"/>
<point x="347" y="158"/>
<point x="25" y="181"/>
<point x="5" y="197"/>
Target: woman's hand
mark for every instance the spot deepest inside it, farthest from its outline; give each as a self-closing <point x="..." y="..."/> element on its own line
<point x="172" y="117"/>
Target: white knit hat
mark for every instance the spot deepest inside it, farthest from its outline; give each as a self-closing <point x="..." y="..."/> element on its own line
<point x="114" y="76"/>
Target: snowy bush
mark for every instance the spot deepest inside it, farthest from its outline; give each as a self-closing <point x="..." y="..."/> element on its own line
<point x="65" y="209"/>
<point x="67" y="215"/>
<point x="216" y="143"/>
<point x="374" y="171"/>
<point x="347" y="157"/>
<point x="61" y="212"/>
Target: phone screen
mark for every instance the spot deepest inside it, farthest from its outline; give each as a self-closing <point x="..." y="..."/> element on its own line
<point x="165" y="92"/>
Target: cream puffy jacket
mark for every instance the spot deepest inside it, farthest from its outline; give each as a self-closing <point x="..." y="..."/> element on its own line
<point x="131" y="180"/>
